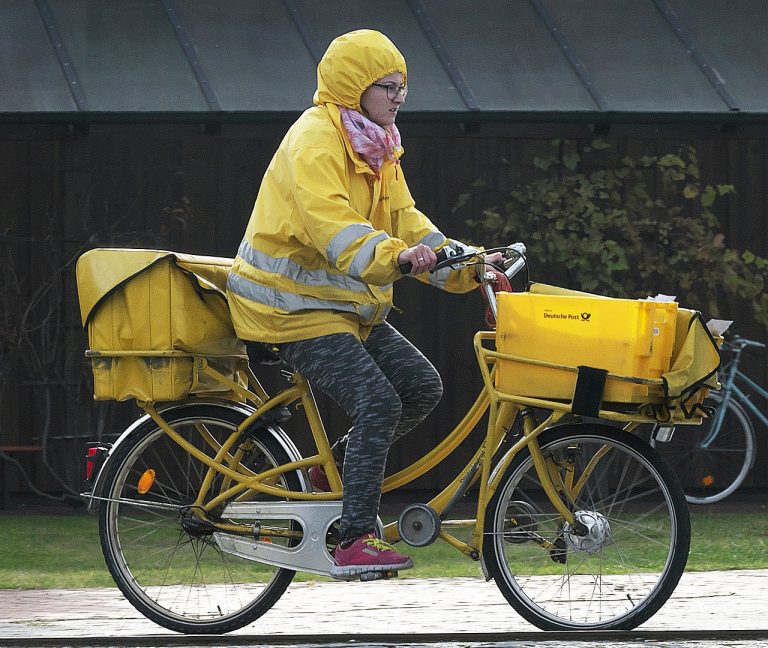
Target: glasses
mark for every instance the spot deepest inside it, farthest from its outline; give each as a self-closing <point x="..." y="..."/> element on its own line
<point x="393" y="90"/>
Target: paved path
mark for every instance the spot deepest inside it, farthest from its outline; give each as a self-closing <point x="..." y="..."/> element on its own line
<point x="708" y="601"/>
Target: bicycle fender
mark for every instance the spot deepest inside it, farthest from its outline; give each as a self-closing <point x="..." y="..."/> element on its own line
<point x="98" y="482"/>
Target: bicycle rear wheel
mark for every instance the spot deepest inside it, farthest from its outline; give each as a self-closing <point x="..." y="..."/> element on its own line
<point x="710" y="474"/>
<point x="161" y="555"/>
<point x="627" y="564"/>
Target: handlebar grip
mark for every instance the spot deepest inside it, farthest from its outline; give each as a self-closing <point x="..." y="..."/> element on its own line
<point x="406" y="268"/>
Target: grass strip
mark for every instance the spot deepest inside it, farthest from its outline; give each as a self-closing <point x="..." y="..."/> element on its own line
<point x="63" y="551"/>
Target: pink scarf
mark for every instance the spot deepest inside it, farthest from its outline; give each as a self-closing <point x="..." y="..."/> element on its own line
<point x="373" y="143"/>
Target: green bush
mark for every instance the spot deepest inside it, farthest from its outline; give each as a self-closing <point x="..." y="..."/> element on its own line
<point x="630" y="227"/>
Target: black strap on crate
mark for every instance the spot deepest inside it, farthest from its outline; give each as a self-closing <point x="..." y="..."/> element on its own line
<point x="588" y="395"/>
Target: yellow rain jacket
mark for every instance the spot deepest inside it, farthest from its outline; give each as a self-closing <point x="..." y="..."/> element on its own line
<point x="319" y="255"/>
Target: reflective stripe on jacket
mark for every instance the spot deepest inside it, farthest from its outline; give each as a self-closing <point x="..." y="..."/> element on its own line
<point x="319" y="255"/>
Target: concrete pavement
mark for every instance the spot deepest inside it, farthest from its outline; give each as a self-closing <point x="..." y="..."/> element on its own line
<point x="706" y="601"/>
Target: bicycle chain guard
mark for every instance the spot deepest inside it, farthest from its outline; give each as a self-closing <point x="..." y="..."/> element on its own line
<point x="309" y="555"/>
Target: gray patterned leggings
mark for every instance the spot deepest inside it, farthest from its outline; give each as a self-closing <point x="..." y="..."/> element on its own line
<point x="386" y="386"/>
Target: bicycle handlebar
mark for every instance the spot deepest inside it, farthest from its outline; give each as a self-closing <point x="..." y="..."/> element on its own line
<point x="514" y="259"/>
<point x="743" y="343"/>
<point x="513" y="262"/>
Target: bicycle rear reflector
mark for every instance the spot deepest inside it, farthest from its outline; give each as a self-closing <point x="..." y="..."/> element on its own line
<point x="90" y="454"/>
<point x="146" y="480"/>
<point x="95" y="454"/>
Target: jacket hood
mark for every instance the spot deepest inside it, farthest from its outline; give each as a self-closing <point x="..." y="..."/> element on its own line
<point x="351" y="63"/>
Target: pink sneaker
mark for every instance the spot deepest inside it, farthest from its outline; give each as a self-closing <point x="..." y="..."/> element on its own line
<point x="319" y="479"/>
<point x="367" y="554"/>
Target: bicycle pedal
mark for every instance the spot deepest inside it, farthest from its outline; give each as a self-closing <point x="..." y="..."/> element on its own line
<point x="377" y="575"/>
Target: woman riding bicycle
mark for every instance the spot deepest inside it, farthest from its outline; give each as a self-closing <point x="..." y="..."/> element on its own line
<point x="332" y="223"/>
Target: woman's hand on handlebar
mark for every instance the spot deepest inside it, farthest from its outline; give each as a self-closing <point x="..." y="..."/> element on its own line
<point x="496" y="258"/>
<point x="421" y="257"/>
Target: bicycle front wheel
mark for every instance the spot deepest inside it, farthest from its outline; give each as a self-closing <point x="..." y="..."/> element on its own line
<point x="710" y="473"/>
<point x="163" y="556"/>
<point x="618" y="564"/>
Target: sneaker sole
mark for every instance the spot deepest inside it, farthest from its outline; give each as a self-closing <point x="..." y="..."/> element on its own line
<point x="353" y="571"/>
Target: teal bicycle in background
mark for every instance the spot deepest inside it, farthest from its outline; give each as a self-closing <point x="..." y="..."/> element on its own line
<point x="712" y="460"/>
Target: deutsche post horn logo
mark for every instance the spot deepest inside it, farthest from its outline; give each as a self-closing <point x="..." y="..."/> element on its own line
<point x="585" y="317"/>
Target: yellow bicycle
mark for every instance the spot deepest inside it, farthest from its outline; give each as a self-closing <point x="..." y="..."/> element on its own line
<point x="206" y="511"/>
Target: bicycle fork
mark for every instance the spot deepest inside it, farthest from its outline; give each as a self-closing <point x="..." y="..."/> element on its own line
<point x="549" y="471"/>
<point x="728" y="391"/>
<point x="562" y="479"/>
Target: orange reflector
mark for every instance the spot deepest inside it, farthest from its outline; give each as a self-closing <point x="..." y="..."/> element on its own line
<point x="146" y="480"/>
<point x="708" y="480"/>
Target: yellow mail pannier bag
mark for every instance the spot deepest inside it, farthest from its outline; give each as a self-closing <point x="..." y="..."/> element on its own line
<point x="148" y="313"/>
<point x="694" y="368"/>
<point x="654" y="352"/>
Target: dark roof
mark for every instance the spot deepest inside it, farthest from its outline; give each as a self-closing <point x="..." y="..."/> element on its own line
<point x="514" y="58"/>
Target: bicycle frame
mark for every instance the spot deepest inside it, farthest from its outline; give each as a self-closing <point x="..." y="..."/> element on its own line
<point x="504" y="409"/>
<point x="301" y="392"/>
<point x="732" y="390"/>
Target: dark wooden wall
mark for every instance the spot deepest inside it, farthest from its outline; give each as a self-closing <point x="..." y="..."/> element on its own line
<point x="190" y="188"/>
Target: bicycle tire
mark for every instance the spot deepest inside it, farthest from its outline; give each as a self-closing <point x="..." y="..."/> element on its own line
<point x="627" y="566"/>
<point x="170" y="570"/>
<point x="709" y="475"/>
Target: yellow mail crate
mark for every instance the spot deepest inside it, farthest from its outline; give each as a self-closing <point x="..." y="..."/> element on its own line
<point x="632" y="338"/>
<point x="138" y="305"/>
